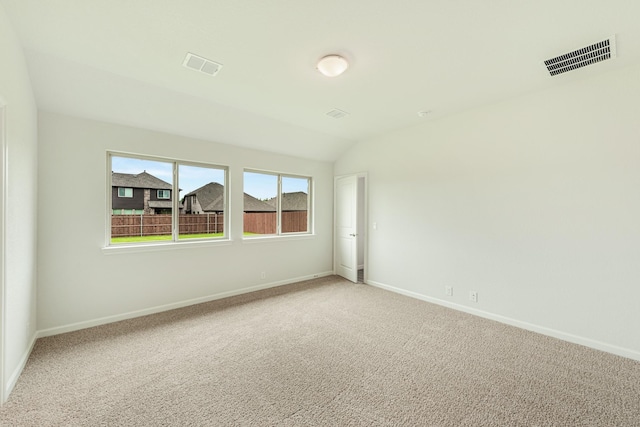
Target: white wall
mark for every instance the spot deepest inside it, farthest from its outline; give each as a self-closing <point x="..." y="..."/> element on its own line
<point x="80" y="285"/>
<point x="20" y="210"/>
<point x="534" y="203"/>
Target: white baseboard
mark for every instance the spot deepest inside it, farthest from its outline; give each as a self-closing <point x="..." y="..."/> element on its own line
<point x="587" y="342"/>
<point x="138" y="313"/>
<point x="13" y="379"/>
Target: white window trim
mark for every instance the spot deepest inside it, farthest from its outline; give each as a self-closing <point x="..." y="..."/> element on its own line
<point x="267" y="238"/>
<point x="162" y="191"/>
<point x="176" y="241"/>
<point x="310" y="216"/>
<point x="163" y="245"/>
<point x="125" y="192"/>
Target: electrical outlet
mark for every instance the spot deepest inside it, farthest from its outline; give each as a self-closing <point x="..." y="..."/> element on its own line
<point x="473" y="296"/>
<point x="263" y="275"/>
<point x="448" y="291"/>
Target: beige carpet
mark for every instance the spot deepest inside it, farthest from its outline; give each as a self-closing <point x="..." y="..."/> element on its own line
<point x="320" y="353"/>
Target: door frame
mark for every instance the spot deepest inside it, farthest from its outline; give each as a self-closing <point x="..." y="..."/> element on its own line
<point x="365" y="218"/>
<point x="3" y="234"/>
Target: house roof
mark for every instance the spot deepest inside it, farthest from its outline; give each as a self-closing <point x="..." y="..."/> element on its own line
<point x="141" y="180"/>
<point x="444" y="57"/>
<point x="251" y="204"/>
<point x="211" y="198"/>
<point x="296" y="201"/>
<point x="163" y="204"/>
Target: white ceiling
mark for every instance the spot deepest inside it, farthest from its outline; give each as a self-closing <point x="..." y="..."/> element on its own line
<point x="121" y="61"/>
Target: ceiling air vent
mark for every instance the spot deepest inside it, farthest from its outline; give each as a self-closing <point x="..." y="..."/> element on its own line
<point x="201" y="64"/>
<point x="337" y="114"/>
<point x="597" y="52"/>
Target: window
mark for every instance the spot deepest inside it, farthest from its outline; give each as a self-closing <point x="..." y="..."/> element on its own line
<point x="196" y="213"/>
<point x="204" y="203"/>
<point x="125" y="192"/>
<point x="276" y="204"/>
<point x="127" y="212"/>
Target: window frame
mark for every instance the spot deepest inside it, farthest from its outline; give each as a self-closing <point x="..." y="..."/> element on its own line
<point x="279" y="234"/>
<point x="125" y="192"/>
<point x="163" y="191"/>
<point x="175" y="202"/>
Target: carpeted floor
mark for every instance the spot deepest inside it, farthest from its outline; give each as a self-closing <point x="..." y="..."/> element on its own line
<point x="321" y="353"/>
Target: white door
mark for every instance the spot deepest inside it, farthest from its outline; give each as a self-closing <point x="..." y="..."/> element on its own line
<point x="346" y="224"/>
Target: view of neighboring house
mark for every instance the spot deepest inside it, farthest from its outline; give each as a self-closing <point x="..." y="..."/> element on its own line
<point x="291" y="202"/>
<point x="210" y="199"/>
<point x="139" y="194"/>
<point x="294" y="208"/>
<point x="259" y="216"/>
<point x="253" y="205"/>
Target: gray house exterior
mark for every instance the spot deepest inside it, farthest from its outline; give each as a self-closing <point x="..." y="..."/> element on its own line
<point x="140" y="194"/>
<point x="259" y="216"/>
<point x="296" y="201"/>
<point x="210" y="199"/>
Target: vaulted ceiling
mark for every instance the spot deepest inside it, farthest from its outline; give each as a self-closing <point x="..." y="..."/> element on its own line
<point x="121" y="61"/>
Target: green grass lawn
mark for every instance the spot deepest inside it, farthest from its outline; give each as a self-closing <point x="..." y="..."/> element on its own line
<point x="137" y="239"/>
<point x="163" y="237"/>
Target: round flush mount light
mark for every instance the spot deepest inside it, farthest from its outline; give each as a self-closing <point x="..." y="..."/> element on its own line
<point x="332" y="65"/>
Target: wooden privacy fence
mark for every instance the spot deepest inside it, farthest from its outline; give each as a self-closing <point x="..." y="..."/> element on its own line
<point x="158" y="225"/>
<point x="260" y="222"/>
<point x="202" y="223"/>
<point x="265" y="222"/>
<point x="294" y="221"/>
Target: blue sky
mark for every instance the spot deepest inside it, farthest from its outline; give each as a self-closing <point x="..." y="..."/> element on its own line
<point x="261" y="186"/>
<point x="265" y="186"/>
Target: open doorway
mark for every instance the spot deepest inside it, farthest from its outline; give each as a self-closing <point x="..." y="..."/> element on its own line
<point x="361" y="207"/>
<point x="350" y="219"/>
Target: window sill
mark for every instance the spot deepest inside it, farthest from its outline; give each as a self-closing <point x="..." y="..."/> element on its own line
<point x="277" y="238"/>
<point x="162" y="246"/>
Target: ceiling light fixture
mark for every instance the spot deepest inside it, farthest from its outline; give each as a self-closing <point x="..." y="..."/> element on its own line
<point x="332" y="65"/>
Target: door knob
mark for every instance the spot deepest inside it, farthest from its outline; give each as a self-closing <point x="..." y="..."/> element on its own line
<point x="353" y="235"/>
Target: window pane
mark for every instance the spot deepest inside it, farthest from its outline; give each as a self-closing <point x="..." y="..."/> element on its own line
<point x="295" y="205"/>
<point x="203" y="205"/>
<point x="138" y="215"/>
<point x="260" y="203"/>
<point x="125" y="192"/>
